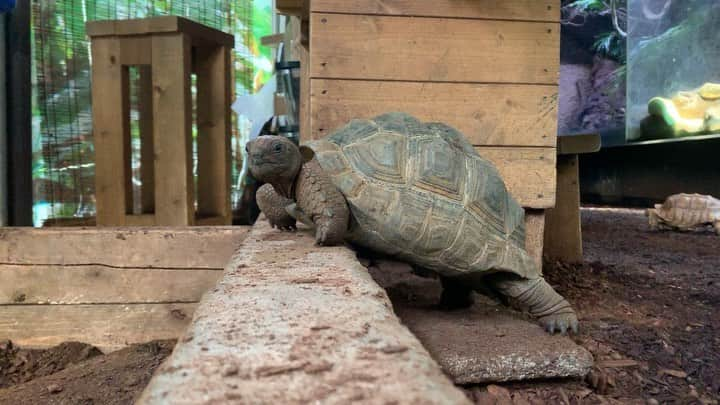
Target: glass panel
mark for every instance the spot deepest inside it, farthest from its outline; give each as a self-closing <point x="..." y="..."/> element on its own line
<point x="673" y="88"/>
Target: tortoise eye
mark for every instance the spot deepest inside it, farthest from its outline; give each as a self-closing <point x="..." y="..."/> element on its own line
<point x="278" y="147"/>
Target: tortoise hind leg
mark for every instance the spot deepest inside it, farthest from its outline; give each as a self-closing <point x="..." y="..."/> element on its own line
<point x="538" y="298"/>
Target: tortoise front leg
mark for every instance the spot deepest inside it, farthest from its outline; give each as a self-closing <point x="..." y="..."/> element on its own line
<point x="273" y="206"/>
<point x="538" y="298"/>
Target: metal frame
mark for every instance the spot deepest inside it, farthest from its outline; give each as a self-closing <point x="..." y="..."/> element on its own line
<point x="3" y="128"/>
<point x="19" y="116"/>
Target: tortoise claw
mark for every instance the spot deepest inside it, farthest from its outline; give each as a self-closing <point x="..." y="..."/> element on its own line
<point x="563" y="323"/>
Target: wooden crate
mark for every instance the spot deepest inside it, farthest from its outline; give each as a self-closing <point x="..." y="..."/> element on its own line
<point x="486" y="67"/>
<point x="107" y="286"/>
<point x="166" y="50"/>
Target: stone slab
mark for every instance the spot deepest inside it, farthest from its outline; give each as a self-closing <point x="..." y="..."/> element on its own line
<point x="485" y="343"/>
<point x="293" y="323"/>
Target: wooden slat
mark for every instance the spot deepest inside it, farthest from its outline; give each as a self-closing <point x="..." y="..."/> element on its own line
<point x="147" y="153"/>
<point x="95" y="284"/>
<point x="162" y="24"/>
<point x="200" y="248"/>
<point x="109" y="327"/>
<point x="111" y="133"/>
<point x="529" y="173"/>
<point x="487" y="114"/>
<point x="433" y="49"/>
<point x="214" y="131"/>
<point x="531" y="10"/>
<point x="172" y="106"/>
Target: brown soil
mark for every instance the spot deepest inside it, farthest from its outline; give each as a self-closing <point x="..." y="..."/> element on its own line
<point x="75" y="373"/>
<point x="648" y="304"/>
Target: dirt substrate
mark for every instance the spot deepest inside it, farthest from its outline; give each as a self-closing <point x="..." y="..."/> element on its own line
<point x="77" y="374"/>
<point x="649" y="307"/>
<point x="648" y="303"/>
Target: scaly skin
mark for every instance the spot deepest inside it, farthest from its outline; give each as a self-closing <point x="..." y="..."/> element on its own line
<point x="538" y="298"/>
<point x="323" y="203"/>
<point x="297" y="190"/>
<point x="273" y="205"/>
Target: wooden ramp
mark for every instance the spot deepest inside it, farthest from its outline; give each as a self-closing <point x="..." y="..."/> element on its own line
<point x="108" y="287"/>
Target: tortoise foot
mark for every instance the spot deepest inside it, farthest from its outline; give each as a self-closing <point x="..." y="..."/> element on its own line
<point x="561" y="323"/>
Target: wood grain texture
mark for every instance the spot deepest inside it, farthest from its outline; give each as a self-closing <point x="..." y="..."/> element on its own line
<point x="214" y="132"/>
<point x="111" y="132"/>
<point x="109" y="327"/>
<point x="532" y="10"/>
<point x="195" y="248"/>
<point x="487" y="114"/>
<point x="563" y="234"/>
<point x="433" y="49"/>
<point x="172" y="106"/>
<point x="204" y="35"/>
<point x="528" y="173"/>
<point x="96" y="284"/>
<point x="534" y="230"/>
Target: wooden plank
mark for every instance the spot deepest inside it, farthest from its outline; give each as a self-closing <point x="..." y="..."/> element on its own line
<point x="529" y="10"/>
<point x="487" y="114"/>
<point x="534" y="230"/>
<point x="172" y="107"/>
<point x="111" y="133"/>
<point x="109" y="327"/>
<point x="214" y="132"/>
<point x="140" y="220"/>
<point x="147" y="148"/>
<point x="303" y="55"/>
<point x="159" y="25"/>
<point x="196" y="247"/>
<point x="272" y="40"/>
<point x="575" y="144"/>
<point x="136" y="50"/>
<point x="529" y="173"/>
<point x="96" y="284"/>
<point x="434" y="49"/>
<point x="563" y="234"/>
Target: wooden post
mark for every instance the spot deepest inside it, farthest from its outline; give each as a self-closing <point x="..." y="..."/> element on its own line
<point x="147" y="158"/>
<point x="563" y="238"/>
<point x="172" y="106"/>
<point x="111" y="132"/>
<point x="214" y="132"/>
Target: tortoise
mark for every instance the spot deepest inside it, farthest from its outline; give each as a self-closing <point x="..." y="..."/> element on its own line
<point x="685" y="212"/>
<point x="415" y="191"/>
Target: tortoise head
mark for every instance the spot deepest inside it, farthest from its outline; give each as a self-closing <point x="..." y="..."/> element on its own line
<point x="274" y="159"/>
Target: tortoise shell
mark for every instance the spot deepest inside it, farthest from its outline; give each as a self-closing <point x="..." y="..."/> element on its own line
<point x="420" y="192"/>
<point x="689" y="210"/>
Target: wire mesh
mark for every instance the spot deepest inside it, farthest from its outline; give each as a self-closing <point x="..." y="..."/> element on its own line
<point x="63" y="156"/>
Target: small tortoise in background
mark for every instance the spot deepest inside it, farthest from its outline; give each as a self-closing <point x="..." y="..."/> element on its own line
<point x="685" y="212"/>
<point x="415" y="191"/>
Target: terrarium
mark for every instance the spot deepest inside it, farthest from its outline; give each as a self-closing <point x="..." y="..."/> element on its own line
<point x="673" y="69"/>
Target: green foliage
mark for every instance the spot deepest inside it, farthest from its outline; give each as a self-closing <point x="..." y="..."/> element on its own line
<point x="589" y="6"/>
<point x="612" y="45"/>
<point x="63" y="156"/>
